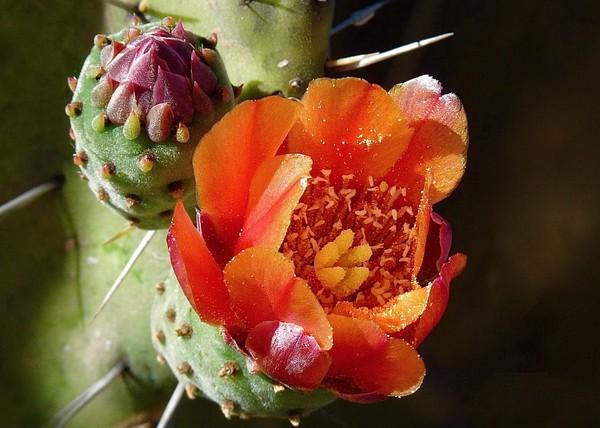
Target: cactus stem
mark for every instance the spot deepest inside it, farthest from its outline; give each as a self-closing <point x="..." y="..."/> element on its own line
<point x="360" y="17"/>
<point x="136" y="254"/>
<point x="30" y="195"/>
<point x="360" y="61"/>
<point x="61" y="418"/>
<point x="171" y="405"/>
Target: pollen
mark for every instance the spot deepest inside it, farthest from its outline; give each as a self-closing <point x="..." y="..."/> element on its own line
<point x="352" y="241"/>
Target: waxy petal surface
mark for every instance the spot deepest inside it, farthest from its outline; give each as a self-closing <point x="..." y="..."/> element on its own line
<point x="351" y="127"/>
<point x="199" y="275"/>
<point x="235" y="147"/>
<point x="263" y="287"/>
<point x="366" y="361"/>
<point x="440" y="140"/>
<point x="275" y="190"/>
<point x="288" y="355"/>
<point x="395" y="315"/>
<point x="437" y="302"/>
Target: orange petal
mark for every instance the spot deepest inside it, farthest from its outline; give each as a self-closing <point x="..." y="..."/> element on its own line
<point x="422" y="221"/>
<point x="398" y="313"/>
<point x="440" y="139"/>
<point x="199" y="275"/>
<point x="366" y="361"/>
<point x="229" y="155"/>
<point x="437" y="302"/>
<point x="274" y="192"/>
<point x="263" y="287"/>
<point x="350" y="127"/>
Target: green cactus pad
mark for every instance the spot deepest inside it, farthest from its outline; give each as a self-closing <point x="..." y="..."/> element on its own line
<point x="199" y="357"/>
<point x="123" y="163"/>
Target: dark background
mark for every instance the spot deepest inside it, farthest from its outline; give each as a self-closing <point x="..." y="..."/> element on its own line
<point x="519" y="344"/>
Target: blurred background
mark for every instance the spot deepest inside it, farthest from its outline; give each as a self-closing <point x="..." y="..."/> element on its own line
<point x="520" y="342"/>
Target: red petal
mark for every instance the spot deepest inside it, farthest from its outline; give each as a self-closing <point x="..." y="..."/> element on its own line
<point x="229" y="155"/>
<point x="437" y="303"/>
<point x="288" y="355"/>
<point x="174" y="89"/>
<point x="144" y="70"/>
<point x="437" y="248"/>
<point x="200" y="277"/>
<point x="263" y="287"/>
<point x="440" y="139"/>
<point x="367" y="364"/>
<point x="202" y="74"/>
<point x="275" y="191"/>
<point x="351" y="127"/>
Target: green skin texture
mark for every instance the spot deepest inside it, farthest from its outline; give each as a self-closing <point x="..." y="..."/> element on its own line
<point x="173" y="159"/>
<point x="206" y="352"/>
<point x="55" y="266"/>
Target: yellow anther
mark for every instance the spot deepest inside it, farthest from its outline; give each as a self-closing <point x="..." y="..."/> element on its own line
<point x="327" y="256"/>
<point x="330" y="277"/>
<point x="336" y="264"/>
<point x="355" y="256"/>
<point x="352" y="281"/>
<point x="344" y="240"/>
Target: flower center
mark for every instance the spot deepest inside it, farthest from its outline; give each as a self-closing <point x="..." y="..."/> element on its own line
<point x="352" y="244"/>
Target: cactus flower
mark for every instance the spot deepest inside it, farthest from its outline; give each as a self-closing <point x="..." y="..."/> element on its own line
<point x="317" y="249"/>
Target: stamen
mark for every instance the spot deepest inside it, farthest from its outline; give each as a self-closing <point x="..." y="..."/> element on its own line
<point x="352" y="243"/>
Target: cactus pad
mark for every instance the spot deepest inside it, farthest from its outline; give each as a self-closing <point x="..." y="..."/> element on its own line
<point x="199" y="357"/>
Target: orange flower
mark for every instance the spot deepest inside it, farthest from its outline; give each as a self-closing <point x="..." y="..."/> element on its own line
<point x="317" y="249"/>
